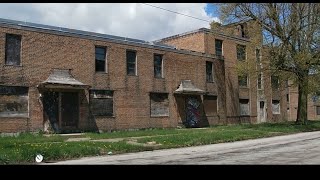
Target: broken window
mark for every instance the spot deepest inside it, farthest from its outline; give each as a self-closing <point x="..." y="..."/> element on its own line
<point x="100" y="59"/>
<point x="275" y="82"/>
<point x="241" y="52"/>
<point x="157" y="66"/>
<point x="318" y="110"/>
<point x="244" y="107"/>
<point x="209" y="71"/>
<point x="243" y="81"/>
<point x="218" y="47"/>
<point x="101" y="102"/>
<point x="14" y="101"/>
<point x="13" y="49"/>
<point x="159" y="104"/>
<point x="275" y="107"/>
<point x="131" y="62"/>
<point x="210" y="105"/>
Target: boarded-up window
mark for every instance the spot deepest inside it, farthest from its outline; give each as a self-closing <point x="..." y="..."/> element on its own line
<point x="209" y="71"/>
<point x="318" y="110"/>
<point x="210" y="105"/>
<point x="100" y="59"/>
<point x="241" y="52"/>
<point x="244" y="107"/>
<point x="13" y="49"/>
<point x="157" y="58"/>
<point x="101" y="102"/>
<point x="275" y="107"/>
<point x="243" y="81"/>
<point x="131" y="62"/>
<point x="218" y="47"/>
<point x="14" y="101"/>
<point x="159" y="104"/>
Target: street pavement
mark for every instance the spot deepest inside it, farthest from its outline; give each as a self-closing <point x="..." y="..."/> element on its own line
<point x="302" y="148"/>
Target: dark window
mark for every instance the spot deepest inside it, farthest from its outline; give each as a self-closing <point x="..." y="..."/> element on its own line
<point x="287" y="97"/>
<point x="241" y="52"/>
<point x="131" y="62"/>
<point x="318" y="110"/>
<point x="101" y="102"/>
<point x="210" y="105"/>
<point x="244" y="107"/>
<point x="100" y="59"/>
<point x="275" y="82"/>
<point x="275" y="107"/>
<point x="258" y="58"/>
<point x="14" y="101"/>
<point x="159" y="104"/>
<point x="13" y="49"/>
<point x="157" y="65"/>
<point x="259" y="81"/>
<point x="243" y="81"/>
<point x="209" y="71"/>
<point x="218" y="46"/>
<point x="243" y="34"/>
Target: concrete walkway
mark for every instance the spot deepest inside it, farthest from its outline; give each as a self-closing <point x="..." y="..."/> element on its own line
<point x="302" y="148"/>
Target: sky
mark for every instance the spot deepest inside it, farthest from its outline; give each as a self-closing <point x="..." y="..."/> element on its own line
<point x="133" y="20"/>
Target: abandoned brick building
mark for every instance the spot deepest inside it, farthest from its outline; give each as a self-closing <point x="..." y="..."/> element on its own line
<point x="60" y="79"/>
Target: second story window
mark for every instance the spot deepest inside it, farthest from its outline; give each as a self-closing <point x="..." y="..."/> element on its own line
<point x="131" y="62"/>
<point x="243" y="81"/>
<point x="100" y="59"/>
<point x="241" y="52"/>
<point x="274" y="82"/>
<point x="13" y="49"/>
<point x="218" y="47"/>
<point x="157" y="58"/>
<point x="260" y="81"/>
<point x="209" y="71"/>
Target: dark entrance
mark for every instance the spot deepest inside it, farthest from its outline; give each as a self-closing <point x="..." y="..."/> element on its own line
<point x="192" y="111"/>
<point x="62" y="110"/>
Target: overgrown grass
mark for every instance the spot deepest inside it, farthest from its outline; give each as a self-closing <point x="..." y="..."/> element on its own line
<point x="23" y="148"/>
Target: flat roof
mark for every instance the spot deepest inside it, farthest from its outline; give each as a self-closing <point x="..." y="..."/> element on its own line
<point x="96" y="36"/>
<point x="204" y="30"/>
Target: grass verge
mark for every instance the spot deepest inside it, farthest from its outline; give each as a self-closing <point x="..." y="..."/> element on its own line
<point x="23" y="148"/>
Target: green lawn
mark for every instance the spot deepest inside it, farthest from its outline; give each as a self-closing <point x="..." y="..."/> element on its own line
<point x="22" y="149"/>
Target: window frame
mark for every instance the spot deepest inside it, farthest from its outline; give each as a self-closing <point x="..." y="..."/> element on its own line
<point x="168" y="107"/>
<point x="318" y="110"/>
<point x="249" y="111"/>
<point x="161" y="66"/>
<point x="209" y="73"/>
<point x="247" y="81"/>
<point x="215" y="47"/>
<point x="135" y="63"/>
<point x="239" y="49"/>
<point x="279" y="108"/>
<point x="90" y="102"/>
<point x="105" y="59"/>
<point x="6" y="49"/>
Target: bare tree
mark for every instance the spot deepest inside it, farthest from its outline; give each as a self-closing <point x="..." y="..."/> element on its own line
<point x="291" y="35"/>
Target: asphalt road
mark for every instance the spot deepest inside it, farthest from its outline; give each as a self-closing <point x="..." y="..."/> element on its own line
<point x="302" y="148"/>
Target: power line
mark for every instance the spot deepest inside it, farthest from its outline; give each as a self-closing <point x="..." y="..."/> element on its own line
<point x="176" y="12"/>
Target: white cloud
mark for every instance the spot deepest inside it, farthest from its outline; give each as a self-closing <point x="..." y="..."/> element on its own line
<point x="134" y="20"/>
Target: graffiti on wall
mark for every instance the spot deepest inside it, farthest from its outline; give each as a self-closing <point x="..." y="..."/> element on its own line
<point x="193" y="112"/>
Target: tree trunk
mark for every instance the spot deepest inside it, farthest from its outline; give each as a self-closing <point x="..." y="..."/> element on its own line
<point x="302" y="114"/>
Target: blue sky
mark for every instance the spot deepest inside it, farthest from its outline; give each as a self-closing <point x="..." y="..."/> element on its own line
<point x="134" y="20"/>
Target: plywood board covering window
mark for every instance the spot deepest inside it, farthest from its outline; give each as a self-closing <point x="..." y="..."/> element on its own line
<point x="244" y="107"/>
<point x="101" y="102"/>
<point x="318" y="110"/>
<point x="159" y="104"/>
<point x="14" y="101"/>
<point x="210" y="105"/>
<point x="275" y="107"/>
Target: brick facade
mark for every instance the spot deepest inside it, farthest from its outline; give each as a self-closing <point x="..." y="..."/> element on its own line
<point x="43" y="50"/>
